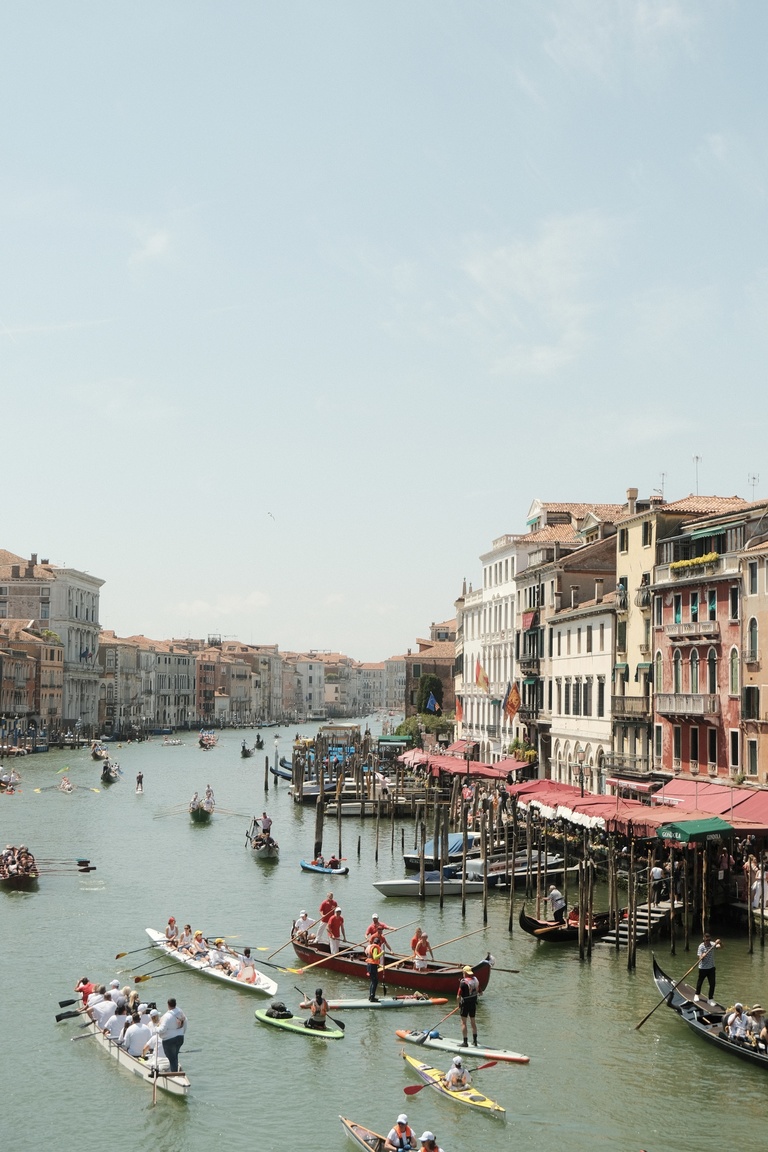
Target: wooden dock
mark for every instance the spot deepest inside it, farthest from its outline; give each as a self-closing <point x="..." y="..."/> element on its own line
<point x="660" y="915"/>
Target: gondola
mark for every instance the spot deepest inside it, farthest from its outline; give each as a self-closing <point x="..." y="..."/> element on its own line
<point x="565" y="933"/>
<point x="282" y="773"/>
<point x="708" y="1022"/>
<point x="245" y="751"/>
<point x="681" y="995"/>
<point x="110" y="773"/>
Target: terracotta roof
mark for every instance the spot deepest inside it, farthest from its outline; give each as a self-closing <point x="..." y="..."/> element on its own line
<point x="609" y="600"/>
<point x="707" y="505"/>
<point x="604" y="511"/>
<point x="550" y="532"/>
<point x="17" y="629"/>
<point x="8" y="560"/>
<point x="434" y="649"/>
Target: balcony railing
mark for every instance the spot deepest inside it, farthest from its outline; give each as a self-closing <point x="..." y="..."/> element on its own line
<point x="623" y="762"/>
<point x="687" y="704"/>
<point x="529" y="664"/>
<point x="693" y="630"/>
<point x="630" y="706"/>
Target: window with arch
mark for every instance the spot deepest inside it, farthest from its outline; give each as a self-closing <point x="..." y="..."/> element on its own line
<point x="733" y="672"/>
<point x="677" y="671"/>
<point x="752" y="639"/>
<point x="712" y="672"/>
<point x="658" y="682"/>
<point x="694" y="671"/>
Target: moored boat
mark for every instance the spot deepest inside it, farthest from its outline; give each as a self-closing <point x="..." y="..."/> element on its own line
<point x="437" y="978"/>
<point x="412" y="860"/>
<point x="363" y="1136"/>
<point x="296" y="1024"/>
<point x="310" y="866"/>
<point x="384" y="1002"/>
<point x="446" y="1044"/>
<point x="280" y="773"/>
<point x="451" y="886"/>
<point x="471" y="1096"/>
<point x="151" y="1071"/>
<point x="248" y="978"/>
<point x="567" y="932"/>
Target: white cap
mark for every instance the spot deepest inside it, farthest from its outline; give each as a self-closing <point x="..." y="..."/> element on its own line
<point x="375" y="916"/>
<point x="457" y="1061"/>
<point x="402" y="1118"/>
<point x="154" y="1012"/>
<point x="114" y="983"/>
<point x="142" y="1007"/>
<point x="426" y="1136"/>
<point x="303" y="912"/>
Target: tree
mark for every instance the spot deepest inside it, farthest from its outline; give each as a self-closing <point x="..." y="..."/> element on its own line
<point x="429" y="684"/>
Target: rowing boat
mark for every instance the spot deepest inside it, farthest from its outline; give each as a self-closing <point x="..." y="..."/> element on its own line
<point x="384" y="1002"/>
<point x="681" y="995"/>
<point x="310" y="866"/>
<point x="177" y="1083"/>
<point x="438" y="978"/>
<point x="363" y="1136"/>
<point x="296" y="1024"/>
<point x="445" y="1044"/>
<point x="568" y="932"/>
<point x="249" y="978"/>
<point x="471" y="1096"/>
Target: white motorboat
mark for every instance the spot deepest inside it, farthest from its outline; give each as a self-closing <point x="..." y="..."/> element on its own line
<point x="451" y="887"/>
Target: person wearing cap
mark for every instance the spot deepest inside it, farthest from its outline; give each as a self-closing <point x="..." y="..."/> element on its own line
<point x="556" y="904"/>
<point x="429" y="1143"/>
<point x="457" y="1075"/>
<point x="706" y="955"/>
<point x="217" y="956"/>
<point x="171" y="933"/>
<point x="154" y="1045"/>
<point x="302" y="926"/>
<point x="319" y="1009"/>
<point x="377" y="928"/>
<point x="143" y="1011"/>
<point x="171" y="1030"/>
<point x="118" y="996"/>
<point x="198" y="949"/>
<point x="401" y="1136"/>
<point x="469" y="990"/>
<point x="336" y="930"/>
<point x="737" y="1024"/>
<point x="136" y="1036"/>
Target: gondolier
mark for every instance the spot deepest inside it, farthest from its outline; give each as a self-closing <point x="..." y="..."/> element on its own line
<point x="707" y="971"/>
<point x="556" y="904"/>
<point x="469" y="990"/>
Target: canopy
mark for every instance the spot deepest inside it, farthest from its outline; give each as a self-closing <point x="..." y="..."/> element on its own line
<point x="454" y="766"/>
<point x="695" y="831"/>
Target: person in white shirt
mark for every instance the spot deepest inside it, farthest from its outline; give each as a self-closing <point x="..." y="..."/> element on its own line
<point x="115" y="1026"/>
<point x="172" y="1028"/>
<point x="738" y="1024"/>
<point x="556" y="904"/>
<point x="118" y="996"/>
<point x="102" y="1011"/>
<point x="457" y="1075"/>
<point x="302" y="926"/>
<point x="143" y="1011"/>
<point x="135" y="1037"/>
<point x="401" y="1136"/>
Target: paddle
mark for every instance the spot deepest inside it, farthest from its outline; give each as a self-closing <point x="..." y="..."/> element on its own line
<point x="665" y="998"/>
<point x="146" y="948"/>
<point x="412" y="1089"/>
<point x="288" y="941"/>
<point x="339" y="1023"/>
<point x="425" y="1037"/>
<point x="66" y="1003"/>
<point x="514" y="971"/>
<point x="175" y="971"/>
<point x="68" y="1015"/>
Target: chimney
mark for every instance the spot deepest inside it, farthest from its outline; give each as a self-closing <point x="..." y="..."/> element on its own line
<point x="631" y="501"/>
<point x="15" y="572"/>
<point x="558" y="601"/>
<point x="574" y="595"/>
<point x="599" y="589"/>
<point x="33" y="558"/>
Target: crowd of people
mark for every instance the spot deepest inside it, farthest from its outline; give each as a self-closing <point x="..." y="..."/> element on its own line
<point x="138" y="1028"/>
<point x="17" y="862"/>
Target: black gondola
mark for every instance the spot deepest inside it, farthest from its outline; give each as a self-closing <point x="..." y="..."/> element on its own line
<point x="567" y="932"/>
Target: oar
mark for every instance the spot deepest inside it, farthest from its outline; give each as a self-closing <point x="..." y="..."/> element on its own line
<point x="146" y="948"/>
<point x="175" y="971"/>
<point x="68" y="1015"/>
<point x="664" y="999"/>
<point x="455" y="938"/>
<point x="66" y="1003"/>
<point x="288" y="941"/>
<point x="339" y="1023"/>
<point x="412" y="1089"/>
<point x="514" y="971"/>
<point x="323" y="960"/>
<point x="149" y="975"/>
<point x="426" y="1034"/>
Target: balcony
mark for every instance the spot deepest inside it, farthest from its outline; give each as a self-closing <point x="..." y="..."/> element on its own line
<point x="637" y="707"/>
<point x="528" y="712"/>
<point x="623" y="762"/>
<point x="643" y="597"/>
<point x="693" y="630"/>
<point x="686" y="704"/>
<point x="529" y="664"/>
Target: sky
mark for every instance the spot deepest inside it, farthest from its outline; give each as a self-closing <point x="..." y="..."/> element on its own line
<point x="303" y="304"/>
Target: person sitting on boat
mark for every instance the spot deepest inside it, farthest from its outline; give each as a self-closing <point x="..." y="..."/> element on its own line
<point x="420" y="951"/>
<point x="457" y="1075"/>
<point x="319" y="860"/>
<point x="756" y="1022"/>
<point x="116" y="1024"/>
<point x="333" y="861"/>
<point x="198" y="949"/>
<point x="556" y="904"/>
<point x="185" y="938"/>
<point x="218" y="958"/>
<point x="400" y="1136"/>
<point x="319" y="1010"/>
<point x="429" y="1143"/>
<point x="326" y="911"/>
<point x="171" y="933"/>
<point x="302" y="926"/>
<point x="136" y="1036"/>
<point x="336" y="930"/>
<point x="143" y="1011"/>
<point x="102" y="1011"/>
<point x="194" y="803"/>
<point x="243" y="967"/>
<point x="737" y="1024"/>
<point x="209" y="793"/>
<point x="469" y="990"/>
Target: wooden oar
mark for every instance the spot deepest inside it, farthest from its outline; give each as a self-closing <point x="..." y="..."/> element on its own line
<point x="323" y="960"/>
<point x="146" y="948"/>
<point x="403" y="959"/>
<point x="513" y="971"/>
<point x="68" y="1015"/>
<point x="412" y="1089"/>
<point x="288" y="941"/>
<point x="339" y="1023"/>
<point x="434" y="1029"/>
<point x="176" y="971"/>
<point x="664" y="999"/>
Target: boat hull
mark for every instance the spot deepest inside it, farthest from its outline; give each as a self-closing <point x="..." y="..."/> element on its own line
<point x="446" y="1044"/>
<point x="364" y="1137"/>
<point x="405" y="889"/>
<point x="175" y="1085"/>
<point x="295" y="1024"/>
<point x="469" y="1096"/>
<point x="308" y="866"/>
<point x="683" y="994"/>
<point x="23" y="882"/>
<point x="566" y="933"/>
<point x="436" y="979"/>
<point x="261" y="983"/>
<point x="200" y="815"/>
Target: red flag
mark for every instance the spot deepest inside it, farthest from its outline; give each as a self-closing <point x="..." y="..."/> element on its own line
<point x="459" y="712"/>
<point x="512" y="702"/>
<point x="481" y="676"/>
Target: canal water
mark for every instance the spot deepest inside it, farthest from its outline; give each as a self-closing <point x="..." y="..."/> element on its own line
<point x="594" y="1081"/>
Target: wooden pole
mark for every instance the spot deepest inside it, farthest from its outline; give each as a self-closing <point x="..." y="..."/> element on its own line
<point x="319" y="813"/>
<point x="464" y="845"/>
<point x="484" y="850"/>
<point x="672" y="912"/>
<point x="266" y="773"/>
<point x="686" y="908"/>
<point x="422" y="869"/>
<point x="511" y="916"/>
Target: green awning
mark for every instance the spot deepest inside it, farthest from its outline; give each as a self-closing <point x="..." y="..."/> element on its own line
<point x="644" y="665"/>
<point x="529" y="680"/>
<point x="695" y="831"/>
<point x="720" y="530"/>
<point x="621" y="667"/>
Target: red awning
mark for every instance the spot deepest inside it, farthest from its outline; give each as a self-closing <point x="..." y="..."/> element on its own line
<point x="634" y="785"/>
<point x="455" y="767"/>
<point x="460" y="746"/>
<point x="528" y="619"/>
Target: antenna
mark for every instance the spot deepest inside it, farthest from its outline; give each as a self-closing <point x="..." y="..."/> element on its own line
<point x="753" y="480"/>
<point x="663" y="477"/>
<point x="696" y="462"/>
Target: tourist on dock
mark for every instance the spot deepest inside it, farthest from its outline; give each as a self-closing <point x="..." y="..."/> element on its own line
<point x="469" y="990"/>
<point x="336" y="930"/>
<point x="556" y="904"/>
<point x="457" y="1075"/>
<point x="319" y="1010"/>
<point x="421" y="948"/>
<point x="401" y="1136"/>
<point x="429" y="1143"/>
<point x="657" y="882"/>
<point x="373" y="955"/>
<point x="706" y="955"/>
<point x="171" y="1030"/>
<point x="326" y="911"/>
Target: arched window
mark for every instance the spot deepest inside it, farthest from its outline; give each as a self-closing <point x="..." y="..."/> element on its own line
<point x="733" y="672"/>
<point x="752" y="639"/>
<point x="712" y="672"/>
<point x="658" y="682"/>
<point x="694" y="671"/>
<point x="677" y="671"/>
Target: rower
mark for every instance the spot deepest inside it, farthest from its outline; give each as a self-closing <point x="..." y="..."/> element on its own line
<point x="302" y="926"/>
<point x="400" y="1136"/>
<point x="319" y="1010"/>
<point x="326" y="911"/>
<point x="421" y="948"/>
<point x="334" y="861"/>
<point x="185" y="938"/>
<point x="85" y="988"/>
<point x="377" y="928"/>
<point x="171" y="933"/>
<point x="428" y="1142"/>
<point x="266" y="823"/>
<point x="457" y="1075"/>
<point x="136" y="1036"/>
<point x="197" y="949"/>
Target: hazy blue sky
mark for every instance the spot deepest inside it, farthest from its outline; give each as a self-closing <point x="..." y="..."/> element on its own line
<point x="303" y="303"/>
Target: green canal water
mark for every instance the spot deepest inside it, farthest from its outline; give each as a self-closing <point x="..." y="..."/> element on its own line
<point x="594" y="1082"/>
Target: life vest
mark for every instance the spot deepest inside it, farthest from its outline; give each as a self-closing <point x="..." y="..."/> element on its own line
<point x="404" y="1139"/>
<point x="373" y="953"/>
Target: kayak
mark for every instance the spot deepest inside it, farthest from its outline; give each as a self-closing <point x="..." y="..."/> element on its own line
<point x="296" y="1024"/>
<point x="445" y="1044"/>
<point x="384" y="1002"/>
<point x="363" y="1136"/>
<point x="308" y="866"/>
<point x="470" y="1096"/>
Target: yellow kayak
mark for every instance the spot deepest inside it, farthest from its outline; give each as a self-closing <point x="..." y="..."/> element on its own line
<point x="434" y="1077"/>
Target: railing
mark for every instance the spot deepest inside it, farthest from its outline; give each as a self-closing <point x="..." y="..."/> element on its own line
<point x="622" y="761"/>
<point x="630" y="705"/>
<point x="529" y="663"/>
<point x="693" y="628"/>
<point x="643" y="597"/>
<point x="687" y="704"/>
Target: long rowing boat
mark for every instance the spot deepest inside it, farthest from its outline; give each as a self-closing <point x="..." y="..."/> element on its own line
<point x="471" y="1096"/>
<point x="295" y="1024"/>
<point x="177" y="1083"/>
<point x="438" y="978"/>
<point x="384" y="1002"/>
<point x="365" y="1137"/>
<point x="249" y="977"/>
<point x="445" y="1044"/>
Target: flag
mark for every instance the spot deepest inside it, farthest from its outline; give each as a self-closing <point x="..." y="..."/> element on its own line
<point x="432" y="704"/>
<point x="459" y="712"/>
<point x="481" y="676"/>
<point x="511" y="701"/>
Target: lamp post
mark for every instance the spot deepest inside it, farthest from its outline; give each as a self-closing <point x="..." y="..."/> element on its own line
<point x="580" y="759"/>
<point x="277" y="741"/>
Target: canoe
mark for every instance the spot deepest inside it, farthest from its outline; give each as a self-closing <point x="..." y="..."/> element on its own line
<point x="683" y="995"/>
<point x="410" y="888"/>
<point x="296" y="1024"/>
<point x="439" y="978"/>
<point x="363" y="1136"/>
<point x="258" y="983"/>
<point x="708" y="1023"/>
<point x="308" y="866"/>
<point x="384" y="1002"/>
<point x="565" y="933"/>
<point x="445" y="1044"/>
<point x="176" y="1083"/>
<point x="470" y="1096"/>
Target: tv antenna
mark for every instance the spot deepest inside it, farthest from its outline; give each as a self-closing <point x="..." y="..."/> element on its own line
<point x="696" y="462"/>
<point x="753" y="480"/>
